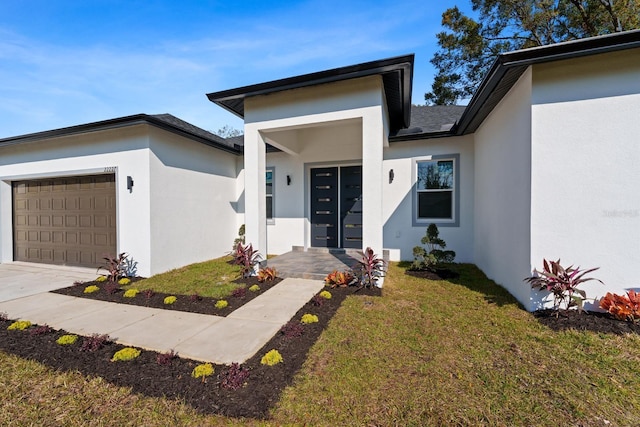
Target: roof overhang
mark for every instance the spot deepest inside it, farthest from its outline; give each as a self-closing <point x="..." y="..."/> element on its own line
<point x="121" y="122"/>
<point x="509" y="66"/>
<point x="396" y="73"/>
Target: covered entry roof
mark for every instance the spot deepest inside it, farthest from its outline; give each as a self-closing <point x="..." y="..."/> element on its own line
<point x="397" y="78"/>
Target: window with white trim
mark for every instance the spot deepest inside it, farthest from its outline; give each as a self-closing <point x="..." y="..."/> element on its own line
<point x="269" y="191"/>
<point x="435" y="190"/>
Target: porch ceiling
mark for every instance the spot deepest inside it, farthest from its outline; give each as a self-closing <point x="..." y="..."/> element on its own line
<point x="289" y="139"/>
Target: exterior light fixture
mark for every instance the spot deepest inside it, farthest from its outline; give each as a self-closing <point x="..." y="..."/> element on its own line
<point x="129" y="184"/>
<point x="288" y="179"/>
<point x="391" y="175"/>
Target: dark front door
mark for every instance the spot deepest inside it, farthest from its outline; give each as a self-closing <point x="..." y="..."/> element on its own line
<point x="351" y="206"/>
<point x="324" y="207"/>
<point x="336" y="207"/>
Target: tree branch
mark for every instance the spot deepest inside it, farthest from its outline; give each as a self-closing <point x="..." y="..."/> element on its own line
<point x="615" y="20"/>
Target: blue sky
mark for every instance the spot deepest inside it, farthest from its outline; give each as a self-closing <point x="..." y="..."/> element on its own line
<point x="69" y="62"/>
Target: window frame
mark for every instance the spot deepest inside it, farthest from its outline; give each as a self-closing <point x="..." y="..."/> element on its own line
<point x="271" y="169"/>
<point x="455" y="198"/>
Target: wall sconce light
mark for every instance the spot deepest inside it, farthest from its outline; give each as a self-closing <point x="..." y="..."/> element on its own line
<point x="288" y="179"/>
<point x="391" y="175"/>
<point x="129" y="184"/>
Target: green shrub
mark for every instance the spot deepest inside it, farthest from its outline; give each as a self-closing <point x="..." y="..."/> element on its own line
<point x="170" y="300"/>
<point x="221" y="304"/>
<point x="272" y="357"/>
<point x="202" y="371"/>
<point x="434" y="253"/>
<point x="309" y="318"/>
<point x="101" y="279"/>
<point x="124" y="281"/>
<point x="19" y="325"/>
<point x="67" y="339"/>
<point x="131" y="293"/>
<point x="126" y="354"/>
<point x="254" y="288"/>
<point x="91" y="289"/>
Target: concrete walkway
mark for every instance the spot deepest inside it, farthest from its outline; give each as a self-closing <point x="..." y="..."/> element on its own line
<point x="234" y="338"/>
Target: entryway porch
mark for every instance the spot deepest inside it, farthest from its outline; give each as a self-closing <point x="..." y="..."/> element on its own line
<point x="313" y="263"/>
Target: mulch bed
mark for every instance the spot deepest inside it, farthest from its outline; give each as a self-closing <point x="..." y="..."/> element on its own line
<point x="144" y="375"/>
<point x="189" y="303"/>
<point x="585" y="321"/>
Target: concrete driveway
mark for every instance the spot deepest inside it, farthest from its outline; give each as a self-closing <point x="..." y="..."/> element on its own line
<point x="21" y="279"/>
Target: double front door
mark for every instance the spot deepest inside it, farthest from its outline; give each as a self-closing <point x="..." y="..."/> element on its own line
<point x="336" y="207"/>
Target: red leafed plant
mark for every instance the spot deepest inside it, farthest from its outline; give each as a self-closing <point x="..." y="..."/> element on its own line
<point x="246" y="257"/>
<point x="622" y="307"/>
<point x="239" y="292"/>
<point x="338" y="279"/>
<point x="562" y="283"/>
<point x="267" y="274"/>
<point x="370" y="268"/>
<point x="235" y="377"/>
<point x="165" y="359"/>
<point x="115" y="266"/>
<point x="95" y="342"/>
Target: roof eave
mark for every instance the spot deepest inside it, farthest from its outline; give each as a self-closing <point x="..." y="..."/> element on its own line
<point x="421" y="136"/>
<point x="120" y="122"/>
<point x="232" y="100"/>
<point x="515" y="63"/>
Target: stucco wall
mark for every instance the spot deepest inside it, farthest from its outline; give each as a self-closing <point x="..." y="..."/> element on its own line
<point x="126" y="149"/>
<point x="193" y="193"/>
<point x="400" y="232"/>
<point x="320" y="146"/>
<point x="502" y="192"/>
<point x="586" y="167"/>
<point x="323" y="125"/>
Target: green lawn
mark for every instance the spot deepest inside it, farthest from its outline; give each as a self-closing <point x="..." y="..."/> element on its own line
<point x="458" y="352"/>
<point x="209" y="279"/>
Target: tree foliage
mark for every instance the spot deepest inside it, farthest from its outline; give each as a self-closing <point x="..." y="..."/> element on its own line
<point x="468" y="47"/>
<point x="228" y="132"/>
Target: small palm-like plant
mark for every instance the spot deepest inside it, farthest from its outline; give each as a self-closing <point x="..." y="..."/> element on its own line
<point x="370" y="269"/>
<point x="246" y="257"/>
<point x="115" y="266"/>
<point x="562" y="283"/>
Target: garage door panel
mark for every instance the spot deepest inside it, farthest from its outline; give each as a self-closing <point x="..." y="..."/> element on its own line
<point x="101" y="221"/>
<point x="46" y="255"/>
<point x="69" y="220"/>
<point x="85" y="203"/>
<point x="101" y="239"/>
<point x="57" y="204"/>
<point x="21" y="205"/>
<point x="57" y="220"/>
<point x="85" y="221"/>
<point x="85" y="239"/>
<point x="71" y="238"/>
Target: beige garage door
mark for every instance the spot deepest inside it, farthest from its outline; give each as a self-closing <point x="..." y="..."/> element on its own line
<point x="65" y="221"/>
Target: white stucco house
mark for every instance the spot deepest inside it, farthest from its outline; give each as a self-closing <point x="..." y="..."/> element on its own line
<point x="543" y="162"/>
